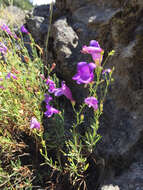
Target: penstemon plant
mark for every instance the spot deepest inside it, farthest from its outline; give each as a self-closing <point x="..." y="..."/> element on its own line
<point x="79" y="147"/>
<point x="95" y="77"/>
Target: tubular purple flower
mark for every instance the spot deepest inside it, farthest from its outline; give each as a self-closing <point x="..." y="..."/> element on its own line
<point x="15" y="36"/>
<point x="34" y="124"/>
<point x="64" y="90"/>
<point x="52" y="86"/>
<point x="92" y="102"/>
<point x="9" y="75"/>
<point x="106" y="71"/>
<point x="3" y="48"/>
<point x="85" y="73"/>
<point x="1" y="87"/>
<point x="94" y="43"/>
<point x="50" y="111"/>
<point x="24" y="30"/>
<point x="95" y="51"/>
<point x="5" y="28"/>
<point x="91" y="50"/>
<point x="13" y="76"/>
<point x="48" y="98"/>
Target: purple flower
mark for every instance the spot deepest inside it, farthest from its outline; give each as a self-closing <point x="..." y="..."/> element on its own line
<point x="3" y="48"/>
<point x="94" y="43"/>
<point x="24" y="30"/>
<point x="106" y="71"/>
<point x="92" y="102"/>
<point x="50" y="111"/>
<point x="52" y="86"/>
<point x="5" y="28"/>
<point x="95" y="51"/>
<point x="47" y="98"/>
<point x="15" y="36"/>
<point x="9" y="75"/>
<point x="34" y="124"/>
<point x="1" y="87"/>
<point x="85" y="73"/>
<point x="64" y="90"/>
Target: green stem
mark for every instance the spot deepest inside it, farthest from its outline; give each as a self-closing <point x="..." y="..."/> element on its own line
<point x="49" y="28"/>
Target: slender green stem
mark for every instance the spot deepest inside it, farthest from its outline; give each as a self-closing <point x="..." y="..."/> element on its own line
<point x="49" y="28"/>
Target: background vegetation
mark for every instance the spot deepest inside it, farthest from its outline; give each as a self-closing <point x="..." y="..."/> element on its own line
<point x="19" y="3"/>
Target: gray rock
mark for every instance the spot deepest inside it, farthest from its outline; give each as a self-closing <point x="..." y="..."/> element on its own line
<point x="110" y="187"/>
<point x="65" y="42"/>
<point x="41" y="11"/>
<point x="37" y="27"/>
<point x="96" y="15"/>
<point x="75" y="4"/>
<point x="66" y="46"/>
<point x="131" y="179"/>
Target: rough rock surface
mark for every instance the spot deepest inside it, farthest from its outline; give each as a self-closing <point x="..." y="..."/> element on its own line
<point x="110" y="187"/>
<point x="116" y="25"/>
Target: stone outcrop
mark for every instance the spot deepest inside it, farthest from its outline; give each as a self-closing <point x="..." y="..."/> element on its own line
<point x="116" y="25"/>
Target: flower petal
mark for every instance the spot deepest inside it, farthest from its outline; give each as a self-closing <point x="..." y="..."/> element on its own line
<point x="94" y="43"/>
<point x="47" y="98"/>
<point x="76" y="77"/>
<point x="50" y="111"/>
<point x="67" y="91"/>
<point x="92" y="66"/>
<point x="92" y="102"/>
<point x="58" y="92"/>
<point x="34" y="123"/>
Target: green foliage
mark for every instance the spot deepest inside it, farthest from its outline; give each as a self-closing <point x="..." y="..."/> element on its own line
<point x="12" y="173"/>
<point x="22" y="89"/>
<point x="20" y="99"/>
<point x="26" y="5"/>
<point x="23" y="93"/>
<point x="18" y="178"/>
<point x="78" y="148"/>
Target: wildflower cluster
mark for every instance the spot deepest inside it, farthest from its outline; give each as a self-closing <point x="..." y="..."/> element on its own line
<point x="85" y="75"/>
<point x="20" y="93"/>
<point x="94" y="77"/>
<point x="50" y="110"/>
<point x="23" y="87"/>
<point x="85" y="71"/>
<point x="17" y="81"/>
<point x="97" y="80"/>
<point x="64" y="90"/>
<point x="7" y="30"/>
